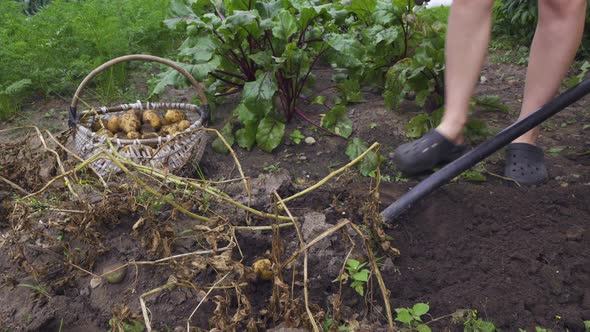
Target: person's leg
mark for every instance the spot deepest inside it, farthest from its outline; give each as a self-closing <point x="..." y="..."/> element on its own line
<point x="468" y="35"/>
<point x="557" y="38"/>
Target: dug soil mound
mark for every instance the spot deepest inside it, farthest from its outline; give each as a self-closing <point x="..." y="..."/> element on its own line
<point x="521" y="257"/>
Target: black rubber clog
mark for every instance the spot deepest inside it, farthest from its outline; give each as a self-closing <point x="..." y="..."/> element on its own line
<point x="525" y="163"/>
<point x="426" y="153"/>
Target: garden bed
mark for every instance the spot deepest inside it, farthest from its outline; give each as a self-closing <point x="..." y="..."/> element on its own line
<point x="519" y="256"/>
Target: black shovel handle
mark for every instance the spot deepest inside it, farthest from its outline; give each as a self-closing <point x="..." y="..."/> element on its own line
<point x="485" y="149"/>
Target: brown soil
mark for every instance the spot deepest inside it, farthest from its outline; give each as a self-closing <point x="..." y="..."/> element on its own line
<point x="519" y="256"/>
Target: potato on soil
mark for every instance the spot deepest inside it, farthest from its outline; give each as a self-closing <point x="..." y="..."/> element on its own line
<point x="133" y="135"/>
<point x="174" y="116"/>
<point x="129" y="122"/>
<point x="263" y="269"/>
<point x="152" y="118"/>
<point x="104" y="132"/>
<point x="113" y="124"/>
<point x="183" y="125"/>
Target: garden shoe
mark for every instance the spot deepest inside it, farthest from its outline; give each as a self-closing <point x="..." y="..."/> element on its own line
<point x="425" y="153"/>
<point x="525" y="164"/>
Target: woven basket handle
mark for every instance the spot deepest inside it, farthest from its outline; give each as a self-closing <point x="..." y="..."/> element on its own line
<point x="73" y="107"/>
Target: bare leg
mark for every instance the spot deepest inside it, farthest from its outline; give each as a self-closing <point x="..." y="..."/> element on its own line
<point x="557" y="38"/>
<point x="468" y="35"/>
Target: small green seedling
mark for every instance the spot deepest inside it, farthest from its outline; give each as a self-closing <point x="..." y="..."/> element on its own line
<point x="411" y="318"/>
<point x="296" y="136"/>
<point x="587" y="325"/>
<point x="272" y="168"/>
<point x="474" y="324"/>
<point x="475" y="174"/>
<point x="126" y="326"/>
<point x="37" y="289"/>
<point x="360" y="276"/>
<point x="329" y="324"/>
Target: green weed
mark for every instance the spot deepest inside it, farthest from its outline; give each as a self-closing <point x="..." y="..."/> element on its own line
<point x="296" y="136"/>
<point x="411" y="318"/>
<point x="358" y="275"/>
<point x="475" y="324"/>
<point x="37" y="289"/>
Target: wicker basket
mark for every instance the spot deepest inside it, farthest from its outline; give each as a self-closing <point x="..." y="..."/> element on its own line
<point x="172" y="153"/>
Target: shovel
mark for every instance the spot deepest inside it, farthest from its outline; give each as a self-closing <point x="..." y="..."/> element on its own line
<point x="493" y="144"/>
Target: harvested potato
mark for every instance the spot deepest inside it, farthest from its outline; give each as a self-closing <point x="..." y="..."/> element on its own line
<point x="263" y="269"/>
<point x="99" y="124"/>
<point x="153" y="119"/>
<point x="171" y="129"/>
<point x="104" y="132"/>
<point x="174" y="116"/>
<point x="129" y="122"/>
<point x="183" y="125"/>
<point x="113" y="124"/>
<point x="133" y="135"/>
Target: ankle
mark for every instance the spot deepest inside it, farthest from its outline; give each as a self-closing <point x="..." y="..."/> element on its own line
<point x="453" y="132"/>
<point x="529" y="137"/>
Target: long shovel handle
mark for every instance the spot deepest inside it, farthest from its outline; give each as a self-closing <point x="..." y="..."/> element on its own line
<point x="485" y="149"/>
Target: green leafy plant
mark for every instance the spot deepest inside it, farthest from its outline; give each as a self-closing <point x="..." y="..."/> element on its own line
<point x="515" y="20"/>
<point x="264" y="49"/>
<point x="296" y="136"/>
<point x="329" y="324"/>
<point x="411" y="318"/>
<point x="587" y="325"/>
<point x="368" y="166"/>
<point x="422" y="73"/>
<point x="475" y="324"/>
<point x="378" y="35"/>
<point x="584" y="67"/>
<point x="357" y="273"/>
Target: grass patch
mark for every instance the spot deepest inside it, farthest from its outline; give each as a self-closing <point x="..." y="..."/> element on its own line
<point x="56" y="47"/>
